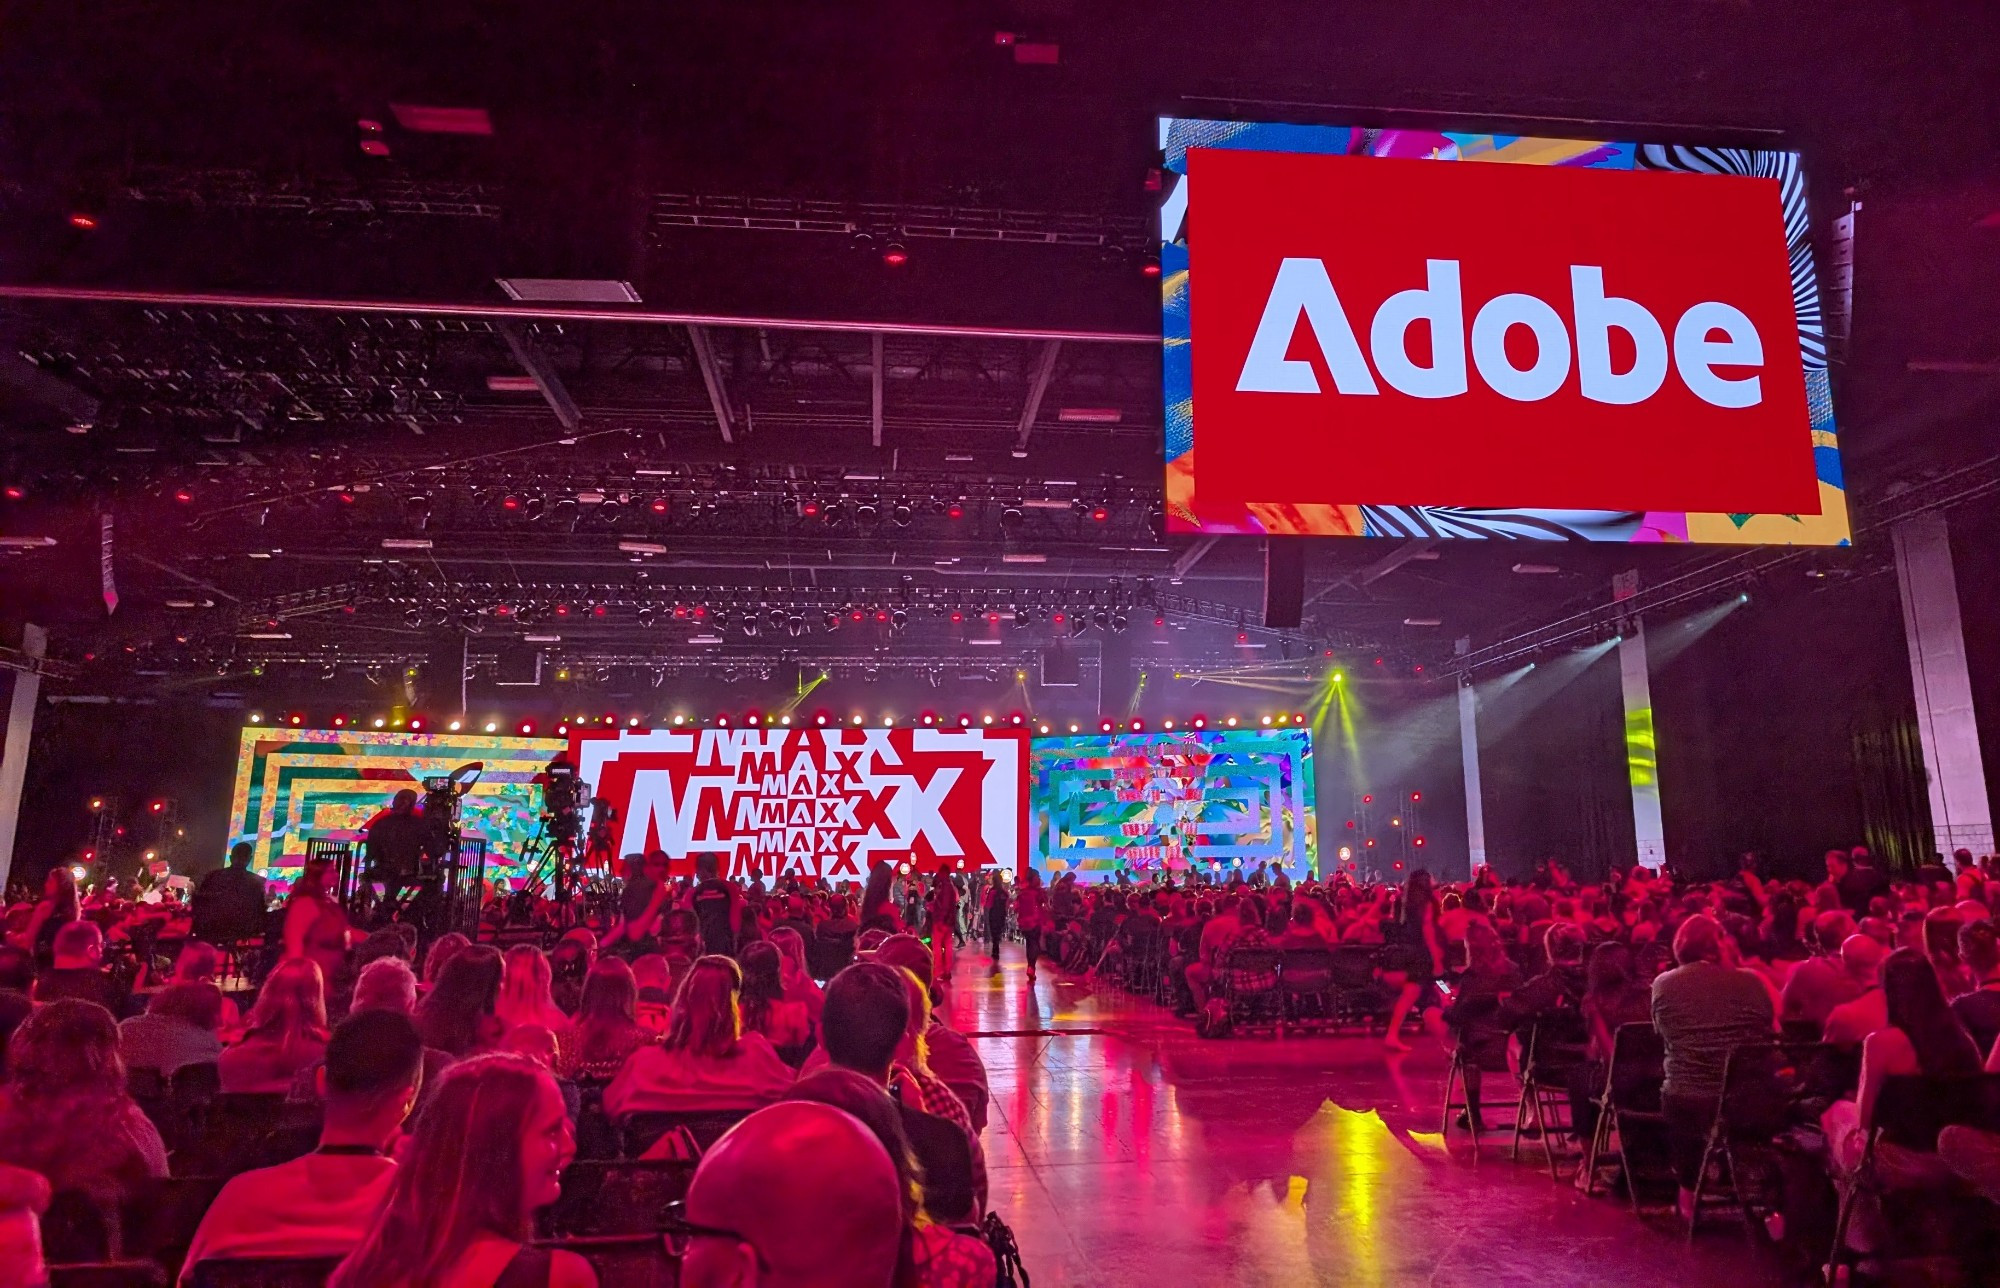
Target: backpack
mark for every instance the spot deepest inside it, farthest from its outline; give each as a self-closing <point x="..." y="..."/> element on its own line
<point x="1006" y="1253"/>
<point x="1213" y="1020"/>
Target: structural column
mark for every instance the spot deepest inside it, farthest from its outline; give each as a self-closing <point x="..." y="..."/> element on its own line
<point x="1468" y="747"/>
<point x="1641" y="751"/>
<point x="14" y="759"/>
<point x="1961" y="816"/>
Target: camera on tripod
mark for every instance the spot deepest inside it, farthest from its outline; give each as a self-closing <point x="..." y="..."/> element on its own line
<point x="564" y="798"/>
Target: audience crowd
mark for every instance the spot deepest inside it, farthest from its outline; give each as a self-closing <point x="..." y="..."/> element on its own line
<point x="445" y="1088"/>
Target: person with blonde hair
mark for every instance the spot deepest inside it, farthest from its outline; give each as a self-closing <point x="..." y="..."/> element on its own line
<point x="488" y="1150"/>
<point x="800" y="986"/>
<point x="525" y="991"/>
<point x="706" y="1061"/>
<point x="286" y="1031"/>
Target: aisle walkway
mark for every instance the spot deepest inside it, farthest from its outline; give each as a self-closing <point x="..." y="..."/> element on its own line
<point x="1126" y="1151"/>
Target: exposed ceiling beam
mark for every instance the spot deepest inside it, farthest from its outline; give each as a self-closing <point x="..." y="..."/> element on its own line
<point x="1405" y="552"/>
<point x="875" y="386"/>
<point x="1191" y="556"/>
<point x="543" y="373"/>
<point x="31" y="382"/>
<point x="1038" y="385"/>
<point x="544" y="313"/>
<point x="711" y="377"/>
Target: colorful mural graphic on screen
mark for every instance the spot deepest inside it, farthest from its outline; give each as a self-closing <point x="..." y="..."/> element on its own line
<point x="296" y="785"/>
<point x="1188" y="512"/>
<point x="1172" y="802"/>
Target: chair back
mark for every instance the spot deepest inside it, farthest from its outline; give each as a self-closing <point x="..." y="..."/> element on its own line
<point x="1638" y="1068"/>
<point x="263" y="1272"/>
<point x="160" y="1217"/>
<point x="1307" y="970"/>
<point x="1254" y="970"/>
<point x="706" y="1126"/>
<point x="1354" y="966"/>
<point x="944" y="1154"/>
<point x="1760" y="1084"/>
<point x="615" y="1196"/>
<point x="1914" y="1108"/>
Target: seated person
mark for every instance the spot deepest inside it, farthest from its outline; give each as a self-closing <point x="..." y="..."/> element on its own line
<point x="800" y="1195"/>
<point x="17" y="979"/>
<point x="64" y="1111"/>
<point x="487" y="1152"/>
<point x="1979" y="1010"/>
<point x="287" y="1031"/>
<point x="1850" y="1023"/>
<point x="1821" y="982"/>
<point x="179" y="1027"/>
<point x="951" y="1055"/>
<point x="706" y="1062"/>
<point x="1302" y="931"/>
<point x="199" y="963"/>
<point x="320" y="1205"/>
<point x="605" y="1031"/>
<point x="229" y="903"/>
<point x="79" y="971"/>
<point x="1473" y="1016"/>
<point x="766" y="1010"/>
<point x="655" y="1001"/>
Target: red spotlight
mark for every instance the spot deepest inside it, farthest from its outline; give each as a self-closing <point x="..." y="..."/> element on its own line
<point x="1242" y="637"/>
<point x="881" y="615"/>
<point x="510" y="502"/>
<point x="1199" y="722"/>
<point x="928" y="719"/>
<point x="562" y="610"/>
<point x="1416" y="796"/>
<point x="1419" y="668"/>
<point x="502" y="610"/>
<point x="183" y="495"/>
<point x="1378" y="661"/>
<point x="1159" y="621"/>
<point x="954" y="511"/>
<point x="416" y="724"/>
<point x="83" y="222"/>
<point x="1016" y="718"/>
<point x="659" y="505"/>
<point x="895" y="255"/>
<point x="1297" y="718"/>
<point x="15" y="492"/>
<point x="810" y="509"/>
<point x="527" y="727"/>
<point x="1419" y="841"/>
<point x="297" y="719"/>
<point x="562" y="728"/>
<point x="1399" y="865"/>
<point x="157" y="806"/>
<point x="993" y="618"/>
<point x="700" y="611"/>
<point x="339" y="721"/>
<point x="1059" y="619"/>
<point x="1150" y="266"/>
<point x="1350" y="825"/>
<point x="680" y="612"/>
<point x="722" y="722"/>
<point x="1369" y="843"/>
<point x="957" y="617"/>
<point x="1105" y="726"/>
<point x="820" y="719"/>
<point x="858" y="615"/>
<point x="1099" y="513"/>
<point x="1367" y="800"/>
<point x="1138" y="726"/>
<point x="598" y="611"/>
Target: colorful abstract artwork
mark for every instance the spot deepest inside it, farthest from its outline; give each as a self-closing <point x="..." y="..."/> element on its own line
<point x="1141" y="804"/>
<point x="1816" y="459"/>
<point x="296" y="785"/>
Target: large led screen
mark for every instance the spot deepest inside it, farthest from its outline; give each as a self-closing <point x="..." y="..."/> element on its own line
<point x="817" y="802"/>
<point x="1172" y="803"/>
<point x="296" y="785"/>
<point x="1403" y="333"/>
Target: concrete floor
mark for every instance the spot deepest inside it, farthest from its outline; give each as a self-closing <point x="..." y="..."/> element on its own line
<point x="1124" y="1150"/>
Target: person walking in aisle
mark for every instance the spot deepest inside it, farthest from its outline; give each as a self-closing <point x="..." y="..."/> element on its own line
<point x="994" y="903"/>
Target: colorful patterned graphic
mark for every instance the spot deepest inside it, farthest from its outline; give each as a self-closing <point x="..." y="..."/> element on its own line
<point x="1186" y="511"/>
<point x="296" y="785"/>
<point x="1172" y="802"/>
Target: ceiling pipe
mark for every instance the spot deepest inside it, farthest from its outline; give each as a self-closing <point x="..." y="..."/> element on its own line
<point x="544" y="313"/>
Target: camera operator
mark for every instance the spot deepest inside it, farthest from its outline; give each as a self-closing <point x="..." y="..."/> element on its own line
<point x="399" y="842"/>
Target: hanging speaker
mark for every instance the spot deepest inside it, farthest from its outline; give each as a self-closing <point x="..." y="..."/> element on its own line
<point x="1284" y="582"/>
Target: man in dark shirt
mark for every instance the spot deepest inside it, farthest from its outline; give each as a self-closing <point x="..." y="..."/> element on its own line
<point x="639" y="902"/>
<point x="717" y="906"/>
<point x="398" y="843"/>
<point x="79" y="970"/>
<point x="1862" y="882"/>
<point x="229" y="902"/>
<point x="1979" y="1010"/>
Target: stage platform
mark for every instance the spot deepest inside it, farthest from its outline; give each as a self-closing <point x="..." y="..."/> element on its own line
<point x="1126" y="1151"/>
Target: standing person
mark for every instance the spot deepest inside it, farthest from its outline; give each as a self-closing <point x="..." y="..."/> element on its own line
<point x="398" y="842"/>
<point x="229" y="902"/>
<point x="717" y="906"/>
<point x="315" y="923"/>
<point x="58" y="907"/>
<point x="640" y="902"/>
<point x="1415" y="954"/>
<point x="488" y="1151"/>
<point x="993" y="904"/>
<point x="1031" y="913"/>
<point x="944" y="923"/>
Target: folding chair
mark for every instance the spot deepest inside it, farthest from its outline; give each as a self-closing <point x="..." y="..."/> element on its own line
<point x="641" y="1130"/>
<point x="1455" y="1075"/>
<point x="1552" y="1046"/>
<point x="1357" y="995"/>
<point x="615" y="1196"/>
<point x="1759" y="1081"/>
<point x="1250" y="982"/>
<point x="1631" y="1098"/>
<point x="1307" y="981"/>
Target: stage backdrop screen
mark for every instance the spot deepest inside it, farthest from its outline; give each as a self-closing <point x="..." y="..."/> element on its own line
<point x="295" y="785"/>
<point x="1403" y="333"/>
<point x="821" y="802"/>
<point x="1172" y="802"/>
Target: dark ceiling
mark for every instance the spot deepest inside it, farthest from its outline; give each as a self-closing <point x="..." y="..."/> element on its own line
<point x="301" y="489"/>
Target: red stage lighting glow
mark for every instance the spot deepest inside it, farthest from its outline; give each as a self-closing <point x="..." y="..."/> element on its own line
<point x="1367" y="800"/>
<point x="1100" y="514"/>
<point x="858" y="615"/>
<point x="339" y="721"/>
<point x="1059" y="619"/>
<point x="15" y="493"/>
<point x="510" y="502"/>
<point x="954" y="511"/>
<point x="1242" y="637"/>
<point x="416" y="724"/>
<point x="527" y="727"/>
<point x="881" y="616"/>
<point x="1105" y="726"/>
<point x="810" y="509"/>
<point x="598" y="611"/>
<point x="1418" y="841"/>
<point x="83" y="221"/>
<point x="297" y="719"/>
<point x="1138" y="726"/>
<point x="895" y="255"/>
<point x="700" y="611"/>
<point x="659" y="505"/>
<point x="1199" y="722"/>
<point x="1416" y="796"/>
<point x="346" y="498"/>
<point x="957" y="616"/>
<point x="562" y="610"/>
<point x="183" y="496"/>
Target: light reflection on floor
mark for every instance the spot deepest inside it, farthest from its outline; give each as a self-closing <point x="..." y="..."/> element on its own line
<point x="1145" y="1156"/>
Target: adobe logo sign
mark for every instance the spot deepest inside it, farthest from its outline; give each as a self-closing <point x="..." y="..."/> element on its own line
<point x="1399" y="332"/>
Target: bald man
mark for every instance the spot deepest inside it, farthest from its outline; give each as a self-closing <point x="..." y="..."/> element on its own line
<point x="797" y="1194"/>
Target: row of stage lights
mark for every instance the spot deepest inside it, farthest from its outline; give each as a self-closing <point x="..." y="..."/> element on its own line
<point x="821" y="719"/>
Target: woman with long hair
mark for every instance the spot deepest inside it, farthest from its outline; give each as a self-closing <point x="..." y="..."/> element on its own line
<point x="445" y="947"/>
<point x="525" y="994"/>
<point x="800" y="986"/>
<point x="486" y="1153"/>
<point x="1924" y="1036"/>
<point x="286" y="1031"/>
<point x="878" y="909"/>
<point x="64" y="1110"/>
<point x="706" y="1062"/>
<point x="57" y="907"/>
<point x="456" y="1016"/>
<point x="1031" y="914"/>
<point x="605" y="1030"/>
<point x="765" y="1008"/>
<point x="1473" y="1017"/>
<point x="1414" y="957"/>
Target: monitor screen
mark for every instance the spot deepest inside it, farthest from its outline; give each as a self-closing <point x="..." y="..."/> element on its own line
<point x="297" y="785"/>
<point x="1404" y="333"/>
<point x="1144" y="804"/>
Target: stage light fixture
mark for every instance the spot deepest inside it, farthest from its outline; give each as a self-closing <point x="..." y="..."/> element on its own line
<point x="1199" y="722"/>
<point x="453" y="726"/>
<point x="954" y="511"/>
<point x="1417" y="841"/>
<point x="1395" y="822"/>
<point x="857" y="717"/>
<point x="379" y="722"/>
<point x="965" y="722"/>
<point x="901" y="514"/>
<point x="1011" y="515"/>
<point x="1073" y="727"/>
<point x="1167" y="723"/>
<point x="1368" y="799"/>
<point x="1016" y="718"/>
<point x="1415" y="797"/>
<point x="1298" y="718"/>
<point x="340" y="722"/>
<point x="1338" y="677"/>
<point x="1242" y="637"/>
<point x="986" y="719"/>
<point x="492" y="726"/>
<point x="1104" y="726"/>
<point x="1099" y="513"/>
<point x="1267" y="720"/>
<point x="1231" y="722"/>
<point x="183" y="495"/>
<point x="679" y="720"/>
<point x="256" y="718"/>
<point x="956" y="617"/>
<point x="1041" y="728"/>
<point x="753" y="718"/>
<point x="895" y="254"/>
<point x="1149" y="265"/>
<point x="1138" y="726"/>
<point x="298" y="719"/>
<point x="527" y="727"/>
<point x="562" y="729"/>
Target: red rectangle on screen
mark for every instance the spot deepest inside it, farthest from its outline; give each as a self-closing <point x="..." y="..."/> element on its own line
<point x="1403" y="332"/>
